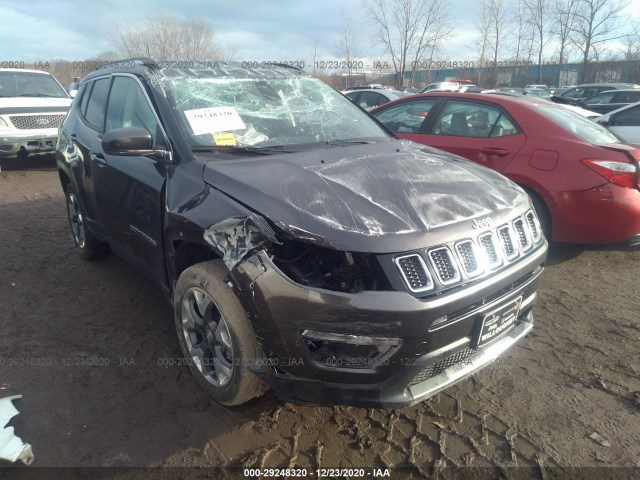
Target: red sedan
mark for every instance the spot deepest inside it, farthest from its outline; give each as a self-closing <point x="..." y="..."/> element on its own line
<point x="584" y="184"/>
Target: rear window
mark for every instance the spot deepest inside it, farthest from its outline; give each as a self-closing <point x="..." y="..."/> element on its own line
<point x="580" y="126"/>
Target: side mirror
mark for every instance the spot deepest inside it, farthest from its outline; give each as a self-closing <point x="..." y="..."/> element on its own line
<point x="72" y="93"/>
<point x="131" y="141"/>
<point x="604" y="120"/>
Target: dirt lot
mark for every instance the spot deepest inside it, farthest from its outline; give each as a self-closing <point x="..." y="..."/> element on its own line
<point x="577" y="374"/>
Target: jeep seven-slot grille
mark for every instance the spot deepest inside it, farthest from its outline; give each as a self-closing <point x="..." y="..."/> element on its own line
<point x="440" y="366"/>
<point x="36" y="122"/>
<point x="469" y="258"/>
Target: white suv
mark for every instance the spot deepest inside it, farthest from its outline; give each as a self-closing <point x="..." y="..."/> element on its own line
<point x="32" y="107"/>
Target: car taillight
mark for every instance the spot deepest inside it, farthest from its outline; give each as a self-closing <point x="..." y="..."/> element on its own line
<point x="618" y="173"/>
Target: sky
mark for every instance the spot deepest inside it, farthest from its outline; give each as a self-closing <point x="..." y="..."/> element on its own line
<point x="257" y="30"/>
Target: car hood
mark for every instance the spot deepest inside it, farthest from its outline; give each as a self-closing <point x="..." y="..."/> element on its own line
<point x="378" y="198"/>
<point x="22" y="104"/>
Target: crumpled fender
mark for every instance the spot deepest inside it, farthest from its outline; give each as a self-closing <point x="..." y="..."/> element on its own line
<point x="12" y="448"/>
<point x="236" y="237"/>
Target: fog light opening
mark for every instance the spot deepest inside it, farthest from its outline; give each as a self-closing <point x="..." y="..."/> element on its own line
<point x="349" y="351"/>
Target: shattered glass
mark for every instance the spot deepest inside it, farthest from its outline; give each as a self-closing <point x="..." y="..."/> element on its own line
<point x="275" y="110"/>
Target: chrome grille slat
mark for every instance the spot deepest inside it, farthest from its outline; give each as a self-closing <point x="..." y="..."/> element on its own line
<point x="489" y="245"/>
<point x="509" y="248"/>
<point x="414" y="272"/>
<point x="444" y="265"/>
<point x="36" y="122"/>
<point x="533" y="226"/>
<point x="470" y="258"/>
<point x="522" y="233"/>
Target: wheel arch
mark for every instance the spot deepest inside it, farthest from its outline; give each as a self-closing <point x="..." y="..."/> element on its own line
<point x="539" y="202"/>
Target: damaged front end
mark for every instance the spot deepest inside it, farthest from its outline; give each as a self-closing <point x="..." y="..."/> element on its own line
<point x="12" y="448"/>
<point x="303" y="262"/>
<point x="234" y="238"/>
<point x="346" y="327"/>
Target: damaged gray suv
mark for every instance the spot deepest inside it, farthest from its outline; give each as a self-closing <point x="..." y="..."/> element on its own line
<point x="304" y="248"/>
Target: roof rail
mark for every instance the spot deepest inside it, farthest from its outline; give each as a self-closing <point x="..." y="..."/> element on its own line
<point x="142" y="61"/>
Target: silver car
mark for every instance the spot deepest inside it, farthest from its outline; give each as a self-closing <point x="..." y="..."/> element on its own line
<point x="32" y="107"/>
<point x="624" y="122"/>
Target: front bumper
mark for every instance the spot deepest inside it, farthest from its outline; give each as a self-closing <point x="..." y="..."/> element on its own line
<point x="396" y="393"/>
<point x="438" y="334"/>
<point x="17" y="144"/>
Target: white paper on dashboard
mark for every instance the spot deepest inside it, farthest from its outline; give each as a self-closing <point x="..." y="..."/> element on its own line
<point x="214" y="119"/>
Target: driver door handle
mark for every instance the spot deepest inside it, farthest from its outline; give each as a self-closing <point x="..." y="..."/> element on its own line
<point x="98" y="158"/>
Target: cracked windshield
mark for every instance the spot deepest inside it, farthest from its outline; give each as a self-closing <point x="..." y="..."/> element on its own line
<point x="268" y="112"/>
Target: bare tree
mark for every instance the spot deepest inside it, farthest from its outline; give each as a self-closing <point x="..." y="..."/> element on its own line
<point x="563" y="19"/>
<point x="348" y="44"/>
<point x="632" y="43"/>
<point x="436" y="28"/>
<point x="403" y="29"/>
<point x="316" y="42"/>
<point x="167" y="38"/>
<point x="481" y="46"/>
<point x="499" y="30"/>
<point x="596" y="22"/>
<point x="538" y="18"/>
<point x="523" y="37"/>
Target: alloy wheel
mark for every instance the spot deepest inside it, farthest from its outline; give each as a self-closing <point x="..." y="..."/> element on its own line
<point x="76" y="220"/>
<point x="207" y="337"/>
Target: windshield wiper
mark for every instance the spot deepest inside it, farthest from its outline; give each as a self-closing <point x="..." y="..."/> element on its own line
<point x="234" y="149"/>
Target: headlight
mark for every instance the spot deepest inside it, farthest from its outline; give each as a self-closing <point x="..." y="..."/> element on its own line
<point x="3" y="123"/>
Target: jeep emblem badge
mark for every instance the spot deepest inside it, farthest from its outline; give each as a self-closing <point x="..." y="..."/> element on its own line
<point x="483" y="223"/>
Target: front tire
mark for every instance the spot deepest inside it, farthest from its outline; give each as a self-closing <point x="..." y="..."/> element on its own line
<point x="215" y="336"/>
<point x="90" y="247"/>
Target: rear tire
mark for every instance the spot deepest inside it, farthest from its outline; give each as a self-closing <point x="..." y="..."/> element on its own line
<point x="90" y="247"/>
<point x="215" y="336"/>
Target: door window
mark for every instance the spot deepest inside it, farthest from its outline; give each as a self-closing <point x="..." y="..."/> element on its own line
<point x="627" y="97"/>
<point x="627" y="118"/>
<point x="406" y="117"/>
<point x="371" y="99"/>
<point x="601" y="98"/>
<point x="96" y="103"/>
<point x="471" y="119"/>
<point x="574" y="93"/>
<point x="129" y="107"/>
